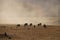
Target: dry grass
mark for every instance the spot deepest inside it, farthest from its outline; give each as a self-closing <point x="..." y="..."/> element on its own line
<point x="31" y="33"/>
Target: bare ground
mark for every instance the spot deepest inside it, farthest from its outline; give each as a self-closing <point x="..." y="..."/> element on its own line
<point x="30" y="33"/>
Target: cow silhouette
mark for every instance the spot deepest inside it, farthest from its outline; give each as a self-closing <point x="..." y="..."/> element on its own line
<point x="39" y="24"/>
<point x="6" y="35"/>
<point x="26" y="24"/>
<point x="30" y="24"/>
<point x="18" y="25"/>
<point x="34" y="26"/>
<point x="44" y="26"/>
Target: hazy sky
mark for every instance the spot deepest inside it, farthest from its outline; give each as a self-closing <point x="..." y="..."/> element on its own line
<point x="35" y="11"/>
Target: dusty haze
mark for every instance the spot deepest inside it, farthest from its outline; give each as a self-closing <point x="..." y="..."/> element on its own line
<point x="29" y="11"/>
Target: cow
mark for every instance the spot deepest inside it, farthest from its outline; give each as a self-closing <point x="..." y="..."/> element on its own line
<point x="26" y="24"/>
<point x="39" y="24"/>
<point x="6" y="35"/>
<point x="18" y="25"/>
<point x="34" y="26"/>
<point x="44" y="26"/>
<point x="30" y="24"/>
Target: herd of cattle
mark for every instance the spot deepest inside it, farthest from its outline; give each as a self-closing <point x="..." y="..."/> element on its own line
<point x="40" y="24"/>
<point x="26" y="24"/>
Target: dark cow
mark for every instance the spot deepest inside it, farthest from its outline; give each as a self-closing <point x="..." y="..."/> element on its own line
<point x="9" y="37"/>
<point x="39" y="24"/>
<point x="26" y="24"/>
<point x="18" y="25"/>
<point x="44" y="26"/>
<point x="5" y="34"/>
<point x="34" y="26"/>
<point x="30" y="24"/>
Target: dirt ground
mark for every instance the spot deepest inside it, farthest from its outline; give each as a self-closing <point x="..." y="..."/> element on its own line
<point x="30" y="32"/>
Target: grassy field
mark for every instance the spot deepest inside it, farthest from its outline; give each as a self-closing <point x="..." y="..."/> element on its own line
<point x="30" y="33"/>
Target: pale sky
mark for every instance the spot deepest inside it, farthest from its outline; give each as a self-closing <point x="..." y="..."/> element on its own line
<point x="29" y="11"/>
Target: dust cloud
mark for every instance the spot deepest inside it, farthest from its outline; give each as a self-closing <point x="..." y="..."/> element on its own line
<point x="29" y="11"/>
